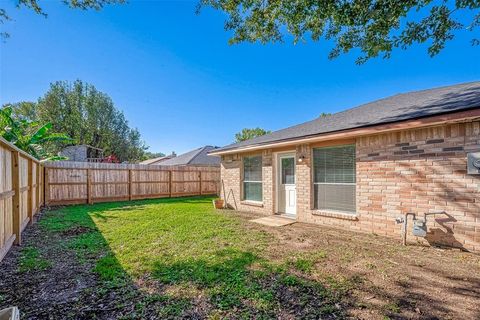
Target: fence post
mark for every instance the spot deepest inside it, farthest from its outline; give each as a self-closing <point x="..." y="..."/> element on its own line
<point x="41" y="190"/>
<point x="46" y="190"/>
<point x="17" y="224"/>
<point x="30" y="191"/>
<point x="130" y="178"/>
<point x="89" y="188"/>
<point x="200" y="176"/>
<point x="37" y="196"/>
<point x="170" y="183"/>
<point x="42" y="181"/>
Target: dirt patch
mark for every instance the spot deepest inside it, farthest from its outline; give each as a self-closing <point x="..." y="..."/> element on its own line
<point x="77" y="230"/>
<point x="69" y="289"/>
<point x="413" y="282"/>
<point x="43" y="293"/>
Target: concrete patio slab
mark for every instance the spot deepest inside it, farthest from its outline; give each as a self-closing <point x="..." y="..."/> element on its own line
<point x="274" y="221"/>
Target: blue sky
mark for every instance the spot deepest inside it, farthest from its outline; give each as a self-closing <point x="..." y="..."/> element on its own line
<point x="178" y="81"/>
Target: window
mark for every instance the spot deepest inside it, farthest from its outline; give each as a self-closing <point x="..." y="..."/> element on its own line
<point x="334" y="178"/>
<point x="252" y="178"/>
<point x="288" y="170"/>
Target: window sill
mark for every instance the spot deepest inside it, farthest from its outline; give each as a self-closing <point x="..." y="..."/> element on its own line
<point x="252" y="203"/>
<point x="336" y="214"/>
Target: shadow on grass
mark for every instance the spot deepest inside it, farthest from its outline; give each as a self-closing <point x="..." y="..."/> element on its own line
<point x="68" y="271"/>
<point x="86" y="280"/>
<point x="245" y="286"/>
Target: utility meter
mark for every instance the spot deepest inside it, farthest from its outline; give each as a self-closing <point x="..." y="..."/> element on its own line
<point x="419" y="228"/>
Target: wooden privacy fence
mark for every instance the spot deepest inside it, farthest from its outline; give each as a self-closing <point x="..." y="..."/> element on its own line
<point x="26" y="184"/>
<point x="21" y="193"/>
<point x="69" y="182"/>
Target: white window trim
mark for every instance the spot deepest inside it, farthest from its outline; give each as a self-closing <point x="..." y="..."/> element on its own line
<point x="242" y="183"/>
<point x="329" y="212"/>
<point x="277" y="156"/>
<point x="340" y="183"/>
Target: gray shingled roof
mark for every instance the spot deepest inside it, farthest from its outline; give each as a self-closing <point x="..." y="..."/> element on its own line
<point x="197" y="157"/>
<point x="156" y="160"/>
<point x="406" y="106"/>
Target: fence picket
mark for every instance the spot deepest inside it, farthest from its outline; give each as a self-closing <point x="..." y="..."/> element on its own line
<point x="26" y="185"/>
<point x="76" y="182"/>
<point x="17" y="223"/>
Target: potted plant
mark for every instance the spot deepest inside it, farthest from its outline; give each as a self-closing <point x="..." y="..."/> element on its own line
<point x="11" y="313"/>
<point x="218" y="203"/>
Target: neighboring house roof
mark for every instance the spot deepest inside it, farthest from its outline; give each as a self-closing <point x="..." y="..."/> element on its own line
<point x="83" y="145"/>
<point x="400" y="107"/>
<point x="156" y="160"/>
<point x="197" y="157"/>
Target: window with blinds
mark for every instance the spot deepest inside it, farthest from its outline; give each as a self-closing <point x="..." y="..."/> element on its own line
<point x="334" y="178"/>
<point x="252" y="178"/>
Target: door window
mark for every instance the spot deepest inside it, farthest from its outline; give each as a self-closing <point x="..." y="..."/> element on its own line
<point x="288" y="170"/>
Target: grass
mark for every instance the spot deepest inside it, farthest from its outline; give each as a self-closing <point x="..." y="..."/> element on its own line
<point x="180" y="258"/>
<point x="147" y="234"/>
<point x="30" y="260"/>
<point x="193" y="250"/>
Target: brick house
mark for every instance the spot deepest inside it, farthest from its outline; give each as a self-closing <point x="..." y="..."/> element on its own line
<point x="367" y="167"/>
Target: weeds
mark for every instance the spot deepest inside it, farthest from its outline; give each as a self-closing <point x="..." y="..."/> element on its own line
<point x="31" y="260"/>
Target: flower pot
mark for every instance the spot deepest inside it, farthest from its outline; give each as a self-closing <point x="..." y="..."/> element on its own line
<point x="218" y="203"/>
<point x="11" y="313"/>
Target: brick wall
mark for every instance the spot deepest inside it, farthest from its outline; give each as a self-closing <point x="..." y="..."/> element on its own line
<point x="231" y="172"/>
<point x="418" y="170"/>
<point x="421" y="171"/>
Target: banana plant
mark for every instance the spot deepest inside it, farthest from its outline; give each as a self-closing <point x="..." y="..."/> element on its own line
<point x="30" y="136"/>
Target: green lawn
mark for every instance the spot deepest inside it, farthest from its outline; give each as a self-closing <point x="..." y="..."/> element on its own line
<point x="182" y="258"/>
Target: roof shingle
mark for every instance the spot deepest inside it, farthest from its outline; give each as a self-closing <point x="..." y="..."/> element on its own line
<point x="400" y="107"/>
<point x="197" y="157"/>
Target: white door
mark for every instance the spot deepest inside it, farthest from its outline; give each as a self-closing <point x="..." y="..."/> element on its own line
<point x="287" y="195"/>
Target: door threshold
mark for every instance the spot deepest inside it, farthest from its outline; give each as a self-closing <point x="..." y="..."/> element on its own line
<point x="287" y="215"/>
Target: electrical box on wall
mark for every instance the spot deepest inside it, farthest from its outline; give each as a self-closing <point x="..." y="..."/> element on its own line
<point x="473" y="163"/>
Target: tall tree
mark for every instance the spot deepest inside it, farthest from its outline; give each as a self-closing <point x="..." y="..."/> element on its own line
<point x="74" y="4"/>
<point x="375" y="27"/>
<point x="249" y="133"/>
<point x="24" y="110"/>
<point x="151" y="155"/>
<point x="88" y="116"/>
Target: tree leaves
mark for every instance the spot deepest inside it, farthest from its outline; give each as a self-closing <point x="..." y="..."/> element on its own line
<point x="40" y="133"/>
<point x="249" y="133"/>
<point x="74" y="4"/>
<point x="83" y="115"/>
<point x="89" y="116"/>
<point x="375" y="27"/>
<point x="27" y="135"/>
